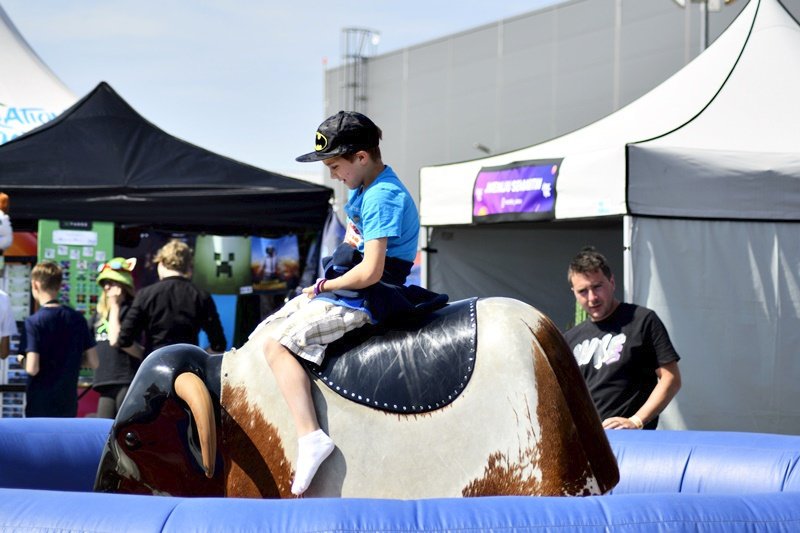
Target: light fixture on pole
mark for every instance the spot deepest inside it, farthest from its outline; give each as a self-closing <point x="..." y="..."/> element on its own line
<point x="357" y="45"/>
<point x="706" y="6"/>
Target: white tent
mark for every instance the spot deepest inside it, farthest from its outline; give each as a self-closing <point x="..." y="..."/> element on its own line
<point x="697" y="185"/>
<point x="30" y="94"/>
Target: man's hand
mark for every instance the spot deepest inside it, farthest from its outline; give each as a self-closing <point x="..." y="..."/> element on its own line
<point x="619" y="422"/>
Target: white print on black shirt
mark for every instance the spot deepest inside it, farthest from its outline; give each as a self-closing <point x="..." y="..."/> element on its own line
<point x="600" y="351"/>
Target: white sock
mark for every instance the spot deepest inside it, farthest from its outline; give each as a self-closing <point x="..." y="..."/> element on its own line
<point x="312" y="450"/>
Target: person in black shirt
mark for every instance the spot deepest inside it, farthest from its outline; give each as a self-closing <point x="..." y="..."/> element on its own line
<point x="117" y="365"/>
<point x="623" y="350"/>
<point x="173" y="310"/>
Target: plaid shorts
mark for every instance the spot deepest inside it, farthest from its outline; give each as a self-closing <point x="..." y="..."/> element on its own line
<point x="305" y="326"/>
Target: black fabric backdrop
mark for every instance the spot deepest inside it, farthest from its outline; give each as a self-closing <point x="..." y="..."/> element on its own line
<point x="101" y="160"/>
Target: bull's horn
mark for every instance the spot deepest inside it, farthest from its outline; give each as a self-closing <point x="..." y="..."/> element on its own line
<point x="194" y="392"/>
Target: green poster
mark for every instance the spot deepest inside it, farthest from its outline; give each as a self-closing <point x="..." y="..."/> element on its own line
<point x="78" y="248"/>
<point x="222" y="264"/>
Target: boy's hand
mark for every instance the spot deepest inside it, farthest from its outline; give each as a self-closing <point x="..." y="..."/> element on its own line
<point x="315" y="289"/>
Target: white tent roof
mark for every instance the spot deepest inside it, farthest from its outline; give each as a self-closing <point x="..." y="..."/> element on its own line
<point x="740" y="158"/>
<point x="30" y="94"/>
<point x="592" y="177"/>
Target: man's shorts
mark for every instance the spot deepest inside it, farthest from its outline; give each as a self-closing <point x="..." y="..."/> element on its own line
<point x="305" y="326"/>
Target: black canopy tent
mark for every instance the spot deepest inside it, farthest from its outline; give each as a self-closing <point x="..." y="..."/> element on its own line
<point x="101" y="160"/>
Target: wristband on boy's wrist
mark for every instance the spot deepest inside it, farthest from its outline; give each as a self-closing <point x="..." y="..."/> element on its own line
<point x="319" y="286"/>
<point x="636" y="421"/>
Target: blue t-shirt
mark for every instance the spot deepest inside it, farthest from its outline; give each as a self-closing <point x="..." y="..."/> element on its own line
<point x="384" y="209"/>
<point x="60" y="336"/>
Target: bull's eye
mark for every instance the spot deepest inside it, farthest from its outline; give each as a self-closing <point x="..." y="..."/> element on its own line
<point x="132" y="441"/>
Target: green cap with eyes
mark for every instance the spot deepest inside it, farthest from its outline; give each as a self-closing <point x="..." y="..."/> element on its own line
<point x="118" y="269"/>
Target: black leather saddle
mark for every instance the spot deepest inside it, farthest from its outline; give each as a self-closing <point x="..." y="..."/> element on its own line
<point x="415" y="366"/>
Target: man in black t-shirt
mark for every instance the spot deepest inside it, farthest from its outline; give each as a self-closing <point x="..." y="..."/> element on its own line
<point x="623" y="350"/>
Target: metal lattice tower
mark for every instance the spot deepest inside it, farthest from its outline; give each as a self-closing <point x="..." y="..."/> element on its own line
<point x="357" y="45"/>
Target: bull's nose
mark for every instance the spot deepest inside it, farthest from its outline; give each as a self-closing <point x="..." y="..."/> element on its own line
<point x="107" y="480"/>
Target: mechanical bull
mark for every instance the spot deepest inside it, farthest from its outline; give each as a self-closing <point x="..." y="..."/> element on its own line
<point x="482" y="397"/>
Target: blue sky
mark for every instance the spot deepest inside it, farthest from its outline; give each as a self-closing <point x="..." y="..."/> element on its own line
<point x="241" y="78"/>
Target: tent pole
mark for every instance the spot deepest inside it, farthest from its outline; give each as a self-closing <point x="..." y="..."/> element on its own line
<point x="424" y="237"/>
<point x="627" y="263"/>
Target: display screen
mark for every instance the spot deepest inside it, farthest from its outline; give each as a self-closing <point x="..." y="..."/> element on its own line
<point x="524" y="190"/>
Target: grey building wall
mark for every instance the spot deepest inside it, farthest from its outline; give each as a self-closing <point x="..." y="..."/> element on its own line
<point x="523" y="80"/>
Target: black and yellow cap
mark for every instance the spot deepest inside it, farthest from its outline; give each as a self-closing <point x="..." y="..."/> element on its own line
<point x="346" y="132"/>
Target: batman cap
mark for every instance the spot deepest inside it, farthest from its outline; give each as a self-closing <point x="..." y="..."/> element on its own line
<point x="346" y="132"/>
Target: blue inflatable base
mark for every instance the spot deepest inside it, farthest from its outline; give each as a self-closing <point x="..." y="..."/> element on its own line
<point x="38" y="511"/>
<point x="670" y="481"/>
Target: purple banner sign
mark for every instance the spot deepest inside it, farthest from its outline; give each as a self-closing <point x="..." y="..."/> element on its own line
<point x="520" y="191"/>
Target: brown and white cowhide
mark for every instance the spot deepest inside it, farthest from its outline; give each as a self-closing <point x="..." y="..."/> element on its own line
<point x="523" y="425"/>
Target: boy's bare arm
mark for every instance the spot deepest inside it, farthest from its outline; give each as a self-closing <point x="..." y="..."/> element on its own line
<point x="368" y="272"/>
<point x="32" y="363"/>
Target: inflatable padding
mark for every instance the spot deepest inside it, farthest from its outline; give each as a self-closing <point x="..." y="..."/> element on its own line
<point x="51" y="453"/>
<point x="670" y="481"/>
<point x="37" y="511"/>
<point x="705" y="461"/>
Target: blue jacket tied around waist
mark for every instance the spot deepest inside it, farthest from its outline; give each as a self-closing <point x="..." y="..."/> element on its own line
<point x="388" y="299"/>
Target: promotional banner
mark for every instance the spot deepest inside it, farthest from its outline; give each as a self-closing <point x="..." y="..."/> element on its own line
<point x="78" y="248"/>
<point x="275" y="263"/>
<point x="222" y="264"/>
<point x="16" y="120"/>
<point x="524" y="190"/>
<point x="19" y="258"/>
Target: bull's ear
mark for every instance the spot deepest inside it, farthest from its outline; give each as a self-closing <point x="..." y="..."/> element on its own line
<point x="192" y="390"/>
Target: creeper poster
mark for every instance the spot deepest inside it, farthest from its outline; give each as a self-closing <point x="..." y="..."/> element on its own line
<point x="78" y="248"/>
